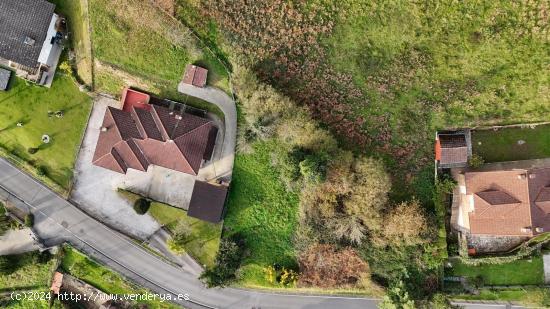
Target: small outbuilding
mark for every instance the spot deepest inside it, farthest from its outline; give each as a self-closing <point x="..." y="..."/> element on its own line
<point x="195" y="75"/>
<point x="208" y="201"/>
<point x="57" y="282"/>
<point x="4" y="79"/>
<point x="453" y="148"/>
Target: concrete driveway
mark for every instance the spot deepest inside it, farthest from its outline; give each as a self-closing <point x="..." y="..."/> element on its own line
<point x="18" y="241"/>
<point x="160" y="184"/>
<point x="222" y="160"/>
<point x="95" y="187"/>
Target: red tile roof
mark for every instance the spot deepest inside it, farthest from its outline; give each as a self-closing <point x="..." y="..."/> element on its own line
<point x="451" y="149"/>
<point x="195" y="75"/>
<point x="509" y="203"/>
<point x="57" y="282"/>
<point x="152" y="135"/>
<point x="134" y="98"/>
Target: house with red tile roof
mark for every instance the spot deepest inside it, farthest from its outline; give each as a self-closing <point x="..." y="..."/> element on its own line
<point x="141" y="134"/>
<point x="508" y="203"/>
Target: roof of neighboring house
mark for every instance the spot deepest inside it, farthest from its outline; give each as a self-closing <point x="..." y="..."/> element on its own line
<point x="23" y="28"/>
<point x="509" y="203"/>
<point x="152" y="135"/>
<point x="208" y="201"/>
<point x="4" y="78"/>
<point x="195" y="75"/>
<point x="451" y="149"/>
<point x="57" y="282"/>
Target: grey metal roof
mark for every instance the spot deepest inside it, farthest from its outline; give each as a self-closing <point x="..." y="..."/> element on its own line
<point x="24" y="21"/>
<point x="208" y="202"/>
<point x="4" y="78"/>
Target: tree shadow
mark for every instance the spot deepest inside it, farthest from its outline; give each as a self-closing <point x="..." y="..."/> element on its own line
<point x="14" y="93"/>
<point x="44" y="146"/>
<point x="13" y="125"/>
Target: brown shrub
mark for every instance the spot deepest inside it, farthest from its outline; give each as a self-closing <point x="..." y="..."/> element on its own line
<point x="406" y="224"/>
<point x="327" y="267"/>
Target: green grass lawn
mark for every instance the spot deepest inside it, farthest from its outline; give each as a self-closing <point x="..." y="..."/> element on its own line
<point x="103" y="278"/>
<point x="521" y="272"/>
<point x="538" y="297"/>
<point x="205" y="237"/>
<point x="137" y="38"/>
<point x="263" y="212"/>
<point x="512" y="144"/>
<point x="29" y="104"/>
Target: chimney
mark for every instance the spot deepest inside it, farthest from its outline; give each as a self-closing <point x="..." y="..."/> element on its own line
<point x="104" y="129"/>
<point x="28" y="41"/>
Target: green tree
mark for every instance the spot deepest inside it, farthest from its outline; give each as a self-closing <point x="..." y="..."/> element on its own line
<point x="29" y="220"/>
<point x="5" y="223"/>
<point x="228" y="261"/>
<point x="397" y="297"/>
<point x="141" y="206"/>
<point x="476" y="161"/>
<point x="42" y="170"/>
<point x="313" y="168"/>
<point x="351" y="200"/>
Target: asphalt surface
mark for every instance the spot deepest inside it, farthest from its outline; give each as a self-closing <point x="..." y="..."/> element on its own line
<point x="222" y="166"/>
<point x="57" y="221"/>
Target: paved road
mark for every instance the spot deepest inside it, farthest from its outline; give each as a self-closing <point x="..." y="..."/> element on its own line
<point x="223" y="165"/>
<point x="56" y="220"/>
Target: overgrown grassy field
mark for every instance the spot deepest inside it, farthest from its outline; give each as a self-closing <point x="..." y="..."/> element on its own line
<point x="76" y="12"/>
<point x="512" y="144"/>
<point x="205" y="237"/>
<point x="263" y="212"/>
<point x="103" y="278"/>
<point x="442" y="65"/>
<point x="137" y="38"/>
<point x="29" y="272"/>
<point x="521" y="272"/>
<point x="385" y="75"/>
<point x="29" y="104"/>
